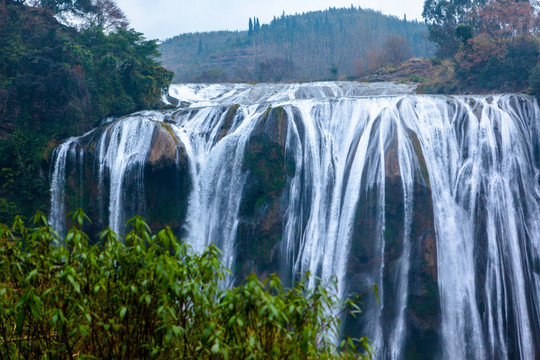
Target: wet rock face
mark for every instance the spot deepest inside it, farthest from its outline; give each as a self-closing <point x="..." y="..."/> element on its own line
<point x="365" y="260"/>
<point x="228" y="123"/>
<point x="82" y="184"/>
<point x="423" y="307"/>
<point x="263" y="205"/>
<point x="167" y="181"/>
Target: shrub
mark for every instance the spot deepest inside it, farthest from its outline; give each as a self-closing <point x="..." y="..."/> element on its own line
<point x="149" y="296"/>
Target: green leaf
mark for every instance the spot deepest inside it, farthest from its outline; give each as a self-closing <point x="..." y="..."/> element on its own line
<point x="31" y="275"/>
<point x="75" y="284"/>
<point x="123" y="312"/>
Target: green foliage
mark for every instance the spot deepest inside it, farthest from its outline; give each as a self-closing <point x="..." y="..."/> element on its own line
<point x="464" y="33"/>
<point x="63" y="82"/>
<point x="124" y="75"/>
<point x="443" y="18"/>
<point x="417" y="78"/>
<point x="57" y="82"/>
<point x="149" y="297"/>
<point x="20" y="165"/>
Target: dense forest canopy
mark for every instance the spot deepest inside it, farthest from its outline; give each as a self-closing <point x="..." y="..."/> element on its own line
<point x="57" y="81"/>
<point x="310" y="46"/>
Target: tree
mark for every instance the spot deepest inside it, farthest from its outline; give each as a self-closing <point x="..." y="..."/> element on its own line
<point x="521" y="56"/>
<point x="334" y="71"/>
<point x="464" y="33"/>
<point x="57" y="6"/>
<point x="443" y="17"/>
<point x="481" y="63"/>
<point x="200" y="47"/>
<point x="85" y="13"/>
<point x="106" y="15"/>
<point x="396" y="50"/>
<point x="274" y="69"/>
<point x="505" y="49"/>
<point x="507" y="19"/>
<point x="56" y="82"/>
<point x="534" y="81"/>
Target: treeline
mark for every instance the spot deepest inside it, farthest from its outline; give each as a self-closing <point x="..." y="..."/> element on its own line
<point x="486" y="45"/>
<point x="312" y="46"/>
<point x="58" y="80"/>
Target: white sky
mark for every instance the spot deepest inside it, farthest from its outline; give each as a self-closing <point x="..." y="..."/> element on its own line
<point x="162" y="19"/>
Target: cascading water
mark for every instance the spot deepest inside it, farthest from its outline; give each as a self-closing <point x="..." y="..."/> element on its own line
<point x="58" y="183"/>
<point x="123" y="149"/>
<point x="434" y="199"/>
<point x="217" y="176"/>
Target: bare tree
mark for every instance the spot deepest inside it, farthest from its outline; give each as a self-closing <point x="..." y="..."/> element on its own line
<point x="397" y="50"/>
<point x="85" y="13"/>
<point x="107" y="15"/>
<point x="274" y="69"/>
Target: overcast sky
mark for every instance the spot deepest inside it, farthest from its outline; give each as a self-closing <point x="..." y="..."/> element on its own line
<point x="162" y="19"/>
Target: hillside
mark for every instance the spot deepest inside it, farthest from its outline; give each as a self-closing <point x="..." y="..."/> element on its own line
<point x="311" y="46"/>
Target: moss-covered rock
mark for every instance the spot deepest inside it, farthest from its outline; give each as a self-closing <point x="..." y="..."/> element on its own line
<point x="423" y="305"/>
<point x="262" y="207"/>
<point x="228" y="121"/>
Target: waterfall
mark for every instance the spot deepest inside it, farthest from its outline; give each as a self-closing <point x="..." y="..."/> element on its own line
<point x="57" y="212"/>
<point x="123" y="149"/>
<point x="434" y="199"/>
<point x="217" y="176"/>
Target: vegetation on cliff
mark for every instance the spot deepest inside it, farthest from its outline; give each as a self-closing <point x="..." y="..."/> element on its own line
<point x="491" y="45"/>
<point x="57" y="81"/>
<point x="150" y="296"/>
<point x="482" y="47"/>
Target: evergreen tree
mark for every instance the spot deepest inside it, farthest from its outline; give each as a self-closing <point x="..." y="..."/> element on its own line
<point x="250" y="29"/>
<point x="200" y="48"/>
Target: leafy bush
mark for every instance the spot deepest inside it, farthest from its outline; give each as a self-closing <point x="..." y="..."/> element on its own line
<point x="149" y="296"/>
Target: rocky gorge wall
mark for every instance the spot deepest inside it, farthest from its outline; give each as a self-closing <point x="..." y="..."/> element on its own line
<point x="434" y="199"/>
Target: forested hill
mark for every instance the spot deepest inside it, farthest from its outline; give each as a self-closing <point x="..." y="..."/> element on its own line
<point x="311" y="46"/>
